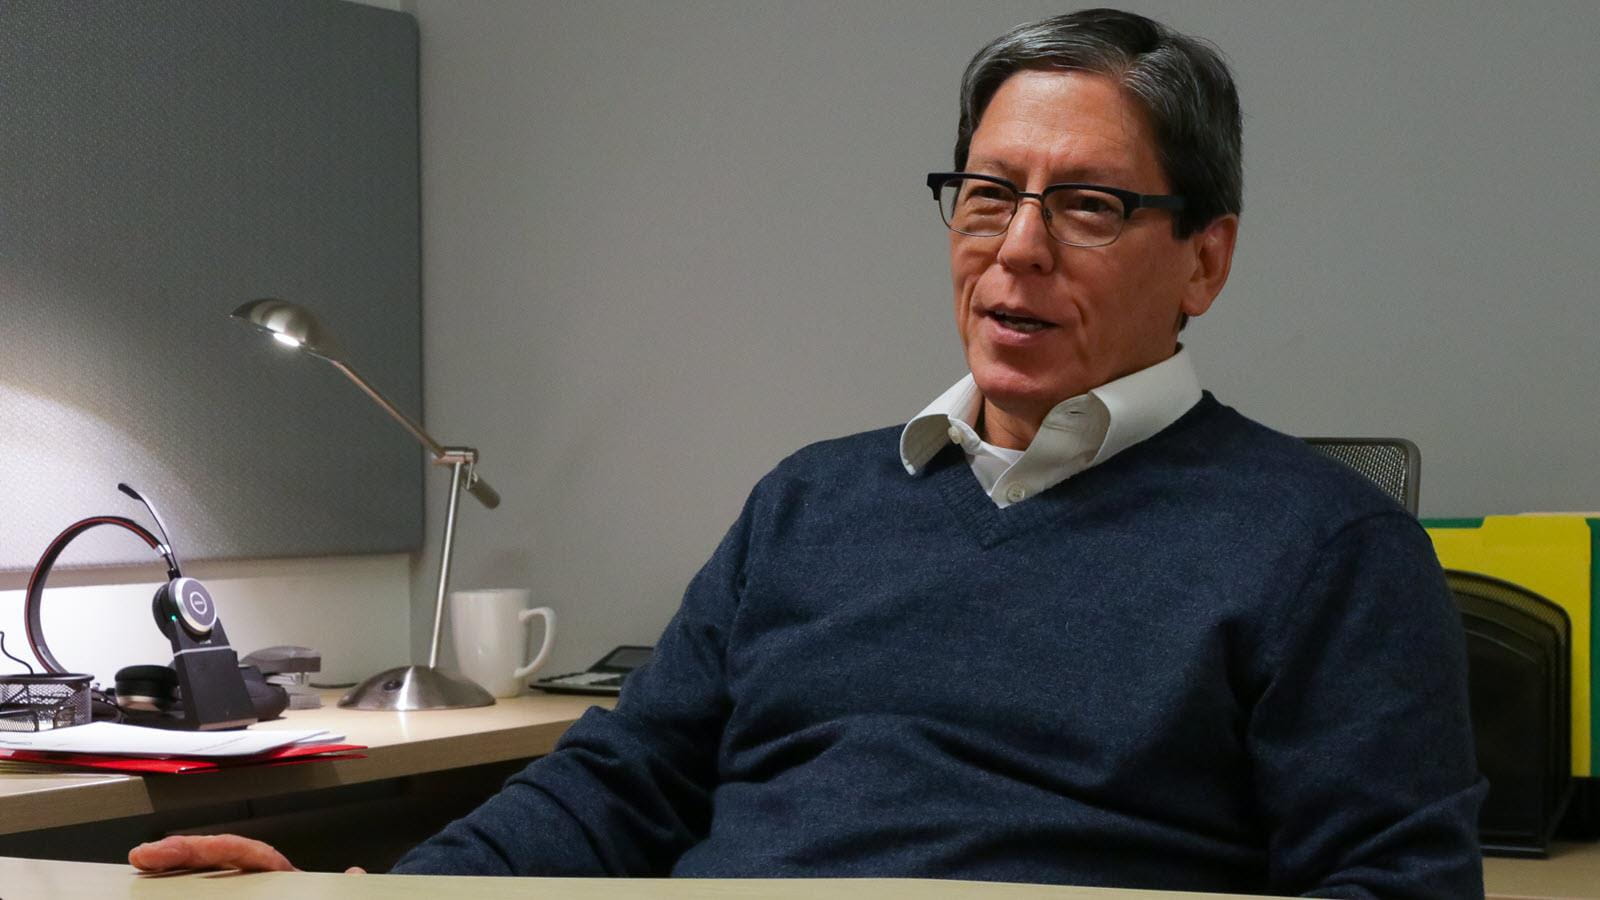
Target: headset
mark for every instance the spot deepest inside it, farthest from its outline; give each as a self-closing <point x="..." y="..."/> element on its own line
<point x="205" y="688"/>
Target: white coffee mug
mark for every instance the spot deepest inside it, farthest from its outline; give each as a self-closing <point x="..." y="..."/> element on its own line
<point x="490" y="637"/>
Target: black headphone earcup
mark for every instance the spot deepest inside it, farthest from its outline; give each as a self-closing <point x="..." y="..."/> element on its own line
<point x="146" y="688"/>
<point x="162" y="608"/>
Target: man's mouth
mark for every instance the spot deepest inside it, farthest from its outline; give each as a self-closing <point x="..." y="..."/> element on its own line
<point x="1024" y="324"/>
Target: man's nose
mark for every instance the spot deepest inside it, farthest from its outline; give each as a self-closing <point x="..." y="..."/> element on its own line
<point x="1027" y="243"/>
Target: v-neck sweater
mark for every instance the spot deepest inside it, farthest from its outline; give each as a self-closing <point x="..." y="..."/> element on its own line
<point x="1219" y="661"/>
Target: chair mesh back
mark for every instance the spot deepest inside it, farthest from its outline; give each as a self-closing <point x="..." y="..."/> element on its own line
<point x="1394" y="464"/>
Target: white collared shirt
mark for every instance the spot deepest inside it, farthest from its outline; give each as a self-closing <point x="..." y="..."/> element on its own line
<point x="1080" y="432"/>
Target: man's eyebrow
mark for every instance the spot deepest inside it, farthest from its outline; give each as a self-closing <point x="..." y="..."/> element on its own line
<point x="984" y="166"/>
<point x="1069" y="175"/>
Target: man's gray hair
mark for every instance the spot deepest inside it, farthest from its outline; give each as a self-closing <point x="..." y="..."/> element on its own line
<point x="1182" y="82"/>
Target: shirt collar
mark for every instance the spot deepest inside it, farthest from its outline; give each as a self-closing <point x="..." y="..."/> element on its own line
<point x="928" y="431"/>
<point x="1128" y="409"/>
<point x="1144" y="402"/>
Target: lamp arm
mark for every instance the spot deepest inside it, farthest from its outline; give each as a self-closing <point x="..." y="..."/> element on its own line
<point x="434" y="447"/>
<point x="458" y="469"/>
<point x="442" y="455"/>
<point x="480" y="489"/>
<point x="475" y="485"/>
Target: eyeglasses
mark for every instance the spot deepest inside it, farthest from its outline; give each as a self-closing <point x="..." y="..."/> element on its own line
<point x="1080" y="215"/>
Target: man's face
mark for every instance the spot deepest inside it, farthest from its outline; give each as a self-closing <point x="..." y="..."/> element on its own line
<point x="1106" y="311"/>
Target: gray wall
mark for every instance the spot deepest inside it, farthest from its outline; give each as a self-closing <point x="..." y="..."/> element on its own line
<point x="666" y="244"/>
<point x="161" y="163"/>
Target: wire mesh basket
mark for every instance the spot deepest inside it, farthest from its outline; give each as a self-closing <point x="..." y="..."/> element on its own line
<point x="42" y="702"/>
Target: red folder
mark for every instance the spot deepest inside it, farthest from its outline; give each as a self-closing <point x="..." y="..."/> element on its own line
<point x="145" y="765"/>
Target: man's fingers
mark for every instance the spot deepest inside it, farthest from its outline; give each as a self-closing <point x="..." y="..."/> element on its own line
<point x="355" y="870"/>
<point x="210" y="851"/>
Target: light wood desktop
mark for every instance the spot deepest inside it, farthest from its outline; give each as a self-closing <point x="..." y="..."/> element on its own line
<point x="406" y="744"/>
<point x="400" y="744"/>
<point x="27" y="879"/>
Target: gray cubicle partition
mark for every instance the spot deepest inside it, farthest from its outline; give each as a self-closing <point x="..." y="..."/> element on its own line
<point x="160" y="163"/>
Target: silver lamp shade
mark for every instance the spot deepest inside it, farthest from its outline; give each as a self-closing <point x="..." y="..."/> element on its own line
<point x="291" y="324"/>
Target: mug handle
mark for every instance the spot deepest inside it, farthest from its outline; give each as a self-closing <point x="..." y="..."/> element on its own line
<point x="549" y="616"/>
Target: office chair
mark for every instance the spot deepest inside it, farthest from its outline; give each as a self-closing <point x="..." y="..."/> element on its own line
<point x="1395" y="464"/>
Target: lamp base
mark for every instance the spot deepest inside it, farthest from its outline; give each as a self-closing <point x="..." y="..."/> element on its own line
<point x="415" y="687"/>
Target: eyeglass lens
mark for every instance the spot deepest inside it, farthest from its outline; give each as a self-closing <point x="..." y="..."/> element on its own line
<point x="1082" y="217"/>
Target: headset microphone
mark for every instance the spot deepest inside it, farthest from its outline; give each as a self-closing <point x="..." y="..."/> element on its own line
<point x="165" y="548"/>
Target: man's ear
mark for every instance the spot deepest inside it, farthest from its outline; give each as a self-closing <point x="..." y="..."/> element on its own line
<point x="1213" y="257"/>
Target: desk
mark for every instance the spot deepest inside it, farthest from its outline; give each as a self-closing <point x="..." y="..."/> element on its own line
<point x="1571" y="874"/>
<point x="417" y="743"/>
<point x="1573" y="870"/>
<point x="31" y="879"/>
<point x="400" y="744"/>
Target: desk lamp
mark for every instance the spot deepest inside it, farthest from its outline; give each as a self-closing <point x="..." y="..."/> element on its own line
<point x="404" y="687"/>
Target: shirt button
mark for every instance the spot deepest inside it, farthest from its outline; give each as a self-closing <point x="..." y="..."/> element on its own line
<point x="1016" y="493"/>
<point x="955" y="434"/>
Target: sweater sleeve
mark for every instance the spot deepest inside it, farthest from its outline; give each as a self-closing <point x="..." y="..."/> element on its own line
<point x="626" y="791"/>
<point x="1361" y="740"/>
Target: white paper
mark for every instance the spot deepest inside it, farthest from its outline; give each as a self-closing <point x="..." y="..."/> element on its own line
<point x="133" y="740"/>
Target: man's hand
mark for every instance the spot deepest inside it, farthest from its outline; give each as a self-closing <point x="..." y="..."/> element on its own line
<point x="211" y="851"/>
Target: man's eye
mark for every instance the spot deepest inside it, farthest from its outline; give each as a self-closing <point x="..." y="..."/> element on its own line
<point x="989" y="193"/>
<point x="1088" y="204"/>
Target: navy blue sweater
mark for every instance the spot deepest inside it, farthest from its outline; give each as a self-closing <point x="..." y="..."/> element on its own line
<point x="1218" y="661"/>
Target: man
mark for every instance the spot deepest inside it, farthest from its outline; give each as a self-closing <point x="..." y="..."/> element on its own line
<point x="1077" y="622"/>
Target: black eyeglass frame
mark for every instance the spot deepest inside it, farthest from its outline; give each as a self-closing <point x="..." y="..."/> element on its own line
<point x="1131" y="200"/>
